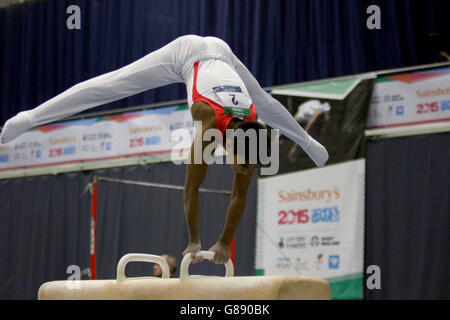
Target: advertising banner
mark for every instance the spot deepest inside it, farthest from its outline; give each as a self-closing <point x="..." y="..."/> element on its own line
<point x="312" y="219"/>
<point x="333" y="112"/>
<point x="99" y="138"/>
<point x="312" y="223"/>
<point x="411" y="98"/>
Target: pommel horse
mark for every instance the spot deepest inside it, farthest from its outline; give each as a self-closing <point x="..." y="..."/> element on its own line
<point x="187" y="287"/>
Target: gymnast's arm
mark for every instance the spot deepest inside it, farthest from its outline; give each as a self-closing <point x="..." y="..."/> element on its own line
<point x="235" y="212"/>
<point x="195" y="174"/>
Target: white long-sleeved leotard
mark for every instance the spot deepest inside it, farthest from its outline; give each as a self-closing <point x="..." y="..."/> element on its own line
<point x="171" y="64"/>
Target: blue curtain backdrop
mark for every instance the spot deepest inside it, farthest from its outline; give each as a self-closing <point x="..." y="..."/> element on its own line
<point x="280" y="41"/>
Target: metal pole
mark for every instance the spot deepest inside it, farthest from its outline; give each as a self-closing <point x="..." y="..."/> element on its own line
<point x="160" y="185"/>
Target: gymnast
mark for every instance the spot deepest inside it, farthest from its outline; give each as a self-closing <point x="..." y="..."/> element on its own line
<point x="221" y="93"/>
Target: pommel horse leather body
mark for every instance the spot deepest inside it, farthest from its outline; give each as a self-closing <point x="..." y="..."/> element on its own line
<point x="290" y="287"/>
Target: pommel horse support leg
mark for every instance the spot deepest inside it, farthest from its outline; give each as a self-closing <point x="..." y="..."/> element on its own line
<point x="290" y="287"/>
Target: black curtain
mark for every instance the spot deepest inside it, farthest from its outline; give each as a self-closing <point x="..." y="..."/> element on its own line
<point x="280" y="41"/>
<point x="407" y="216"/>
<point x="45" y="226"/>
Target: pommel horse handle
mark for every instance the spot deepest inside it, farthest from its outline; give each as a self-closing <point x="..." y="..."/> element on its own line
<point x="140" y="257"/>
<point x="208" y="255"/>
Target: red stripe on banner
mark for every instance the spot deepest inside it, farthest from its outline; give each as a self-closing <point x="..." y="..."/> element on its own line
<point x="93" y="159"/>
<point x="94" y="231"/>
<point x="408" y="123"/>
<point x="232" y="249"/>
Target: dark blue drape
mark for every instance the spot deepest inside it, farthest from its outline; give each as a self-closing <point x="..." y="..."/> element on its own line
<point x="407" y="217"/>
<point x="280" y="41"/>
<point x="45" y="225"/>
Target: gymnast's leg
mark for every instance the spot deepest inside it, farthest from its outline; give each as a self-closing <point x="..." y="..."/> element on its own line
<point x="156" y="69"/>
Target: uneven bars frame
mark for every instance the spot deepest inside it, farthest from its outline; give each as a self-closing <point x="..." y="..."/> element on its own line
<point x="94" y="200"/>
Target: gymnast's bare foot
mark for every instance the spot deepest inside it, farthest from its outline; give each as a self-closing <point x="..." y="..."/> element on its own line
<point x="193" y="248"/>
<point x="222" y="252"/>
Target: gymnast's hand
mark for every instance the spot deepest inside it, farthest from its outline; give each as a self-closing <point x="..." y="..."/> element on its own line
<point x="222" y="252"/>
<point x="193" y="248"/>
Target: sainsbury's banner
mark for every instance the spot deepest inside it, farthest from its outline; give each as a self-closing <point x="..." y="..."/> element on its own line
<point x="411" y="98"/>
<point x="99" y="138"/>
<point x="312" y="223"/>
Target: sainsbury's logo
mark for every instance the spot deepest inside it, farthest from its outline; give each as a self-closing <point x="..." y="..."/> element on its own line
<point x="308" y="195"/>
<point x="432" y="92"/>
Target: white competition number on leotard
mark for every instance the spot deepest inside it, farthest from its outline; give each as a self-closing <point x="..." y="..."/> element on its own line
<point x="235" y="103"/>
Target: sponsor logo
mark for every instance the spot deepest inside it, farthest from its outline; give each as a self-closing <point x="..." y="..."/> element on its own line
<point x="399" y="110"/>
<point x="427" y="107"/>
<point x="25" y="145"/>
<point x="329" y="241"/>
<point x="432" y="92"/>
<point x="295" y="242"/>
<point x="4" y="148"/>
<point x="97" y="136"/>
<point x="375" y="112"/>
<point x="445" y="105"/>
<point x="397" y="97"/>
<point x="375" y="100"/>
<point x="308" y="195"/>
<point x="18" y="156"/>
<point x="20" y="146"/>
<point x="69" y="151"/>
<point x="89" y="137"/>
<point x="393" y="98"/>
<point x="292" y="243"/>
<point x="333" y="262"/>
<point x="290" y="217"/>
<point x="137" y="142"/>
<point x="283" y="263"/>
<point x="144" y="141"/>
<point x="35" y="154"/>
<point x="300" y="264"/>
<point x="390" y="111"/>
<point x="325" y="215"/>
<point x="135" y="130"/>
<point x="227" y="89"/>
<point x="54" y="141"/>
<point x="293" y="217"/>
<point x="319" y="261"/>
<point x="153" y="140"/>
<point x="4" y="158"/>
<point x="34" y="144"/>
<point x="59" y="152"/>
<point x="315" y="242"/>
<point x="104" y="135"/>
<point x="323" y="241"/>
<point x="181" y="125"/>
<point x="106" y="145"/>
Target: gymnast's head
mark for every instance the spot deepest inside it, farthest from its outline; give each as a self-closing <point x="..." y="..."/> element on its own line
<point x="171" y="261"/>
<point x="247" y="143"/>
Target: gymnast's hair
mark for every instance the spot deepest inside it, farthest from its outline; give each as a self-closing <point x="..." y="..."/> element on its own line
<point x="247" y="141"/>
